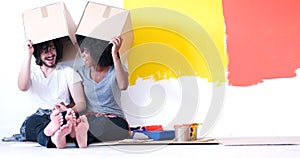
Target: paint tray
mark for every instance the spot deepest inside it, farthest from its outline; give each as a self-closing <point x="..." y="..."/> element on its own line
<point x="155" y="135"/>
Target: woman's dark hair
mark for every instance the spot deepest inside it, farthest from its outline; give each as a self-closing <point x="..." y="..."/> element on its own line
<point x="100" y="50"/>
<point x="106" y="57"/>
<point x="38" y="48"/>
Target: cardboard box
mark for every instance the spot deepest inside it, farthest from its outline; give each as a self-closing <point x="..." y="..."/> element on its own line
<point x="51" y="22"/>
<point x="105" y="22"/>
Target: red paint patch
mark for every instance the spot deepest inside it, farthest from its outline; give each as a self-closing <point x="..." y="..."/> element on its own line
<point x="263" y="40"/>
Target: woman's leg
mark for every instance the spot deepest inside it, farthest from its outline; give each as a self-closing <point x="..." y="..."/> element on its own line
<point x="107" y="129"/>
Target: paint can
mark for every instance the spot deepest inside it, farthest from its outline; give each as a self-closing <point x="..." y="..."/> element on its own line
<point x="186" y="132"/>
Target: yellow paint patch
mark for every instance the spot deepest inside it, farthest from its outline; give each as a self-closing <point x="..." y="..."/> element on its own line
<point x="177" y="38"/>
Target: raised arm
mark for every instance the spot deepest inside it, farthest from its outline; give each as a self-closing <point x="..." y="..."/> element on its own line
<point x="121" y="74"/>
<point x="24" y="80"/>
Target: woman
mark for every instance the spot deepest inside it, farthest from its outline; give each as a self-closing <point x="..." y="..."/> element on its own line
<point x="104" y="77"/>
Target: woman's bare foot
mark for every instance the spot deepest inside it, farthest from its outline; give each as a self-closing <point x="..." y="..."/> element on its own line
<point x="71" y="116"/>
<point x="55" y="123"/>
<point x="59" y="137"/>
<point x="81" y="131"/>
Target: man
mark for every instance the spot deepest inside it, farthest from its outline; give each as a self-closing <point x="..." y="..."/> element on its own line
<point x="50" y="84"/>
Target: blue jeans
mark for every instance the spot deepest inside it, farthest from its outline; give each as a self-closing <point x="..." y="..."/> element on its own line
<point x="33" y="127"/>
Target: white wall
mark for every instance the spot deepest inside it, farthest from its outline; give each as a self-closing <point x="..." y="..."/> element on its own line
<point x="270" y="108"/>
<point x="267" y="109"/>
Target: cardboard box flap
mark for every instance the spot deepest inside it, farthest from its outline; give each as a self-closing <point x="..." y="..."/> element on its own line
<point x="70" y="51"/>
<point x="128" y="37"/>
<point x="48" y="22"/>
<point x="70" y="25"/>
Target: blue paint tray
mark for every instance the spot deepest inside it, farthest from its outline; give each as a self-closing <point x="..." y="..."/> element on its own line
<point x="155" y="135"/>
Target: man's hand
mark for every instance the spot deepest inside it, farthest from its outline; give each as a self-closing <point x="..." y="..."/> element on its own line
<point x="29" y="47"/>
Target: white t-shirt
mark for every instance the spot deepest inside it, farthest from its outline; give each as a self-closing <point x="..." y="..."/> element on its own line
<point x="46" y="92"/>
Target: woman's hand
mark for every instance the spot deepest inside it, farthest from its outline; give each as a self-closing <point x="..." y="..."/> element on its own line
<point x="117" y="42"/>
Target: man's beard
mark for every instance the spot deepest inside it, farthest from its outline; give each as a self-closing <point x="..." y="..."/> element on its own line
<point x="49" y="66"/>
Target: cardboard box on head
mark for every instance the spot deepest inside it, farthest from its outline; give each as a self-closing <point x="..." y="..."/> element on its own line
<point x="104" y="22"/>
<point x="50" y="22"/>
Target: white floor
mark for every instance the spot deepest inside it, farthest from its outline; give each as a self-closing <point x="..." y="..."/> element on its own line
<point x="263" y="147"/>
<point x="15" y="150"/>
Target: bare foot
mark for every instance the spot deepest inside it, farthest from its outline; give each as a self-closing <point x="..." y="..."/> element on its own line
<point x="55" y="123"/>
<point x="71" y="116"/>
<point x="81" y="131"/>
<point x="59" y="138"/>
